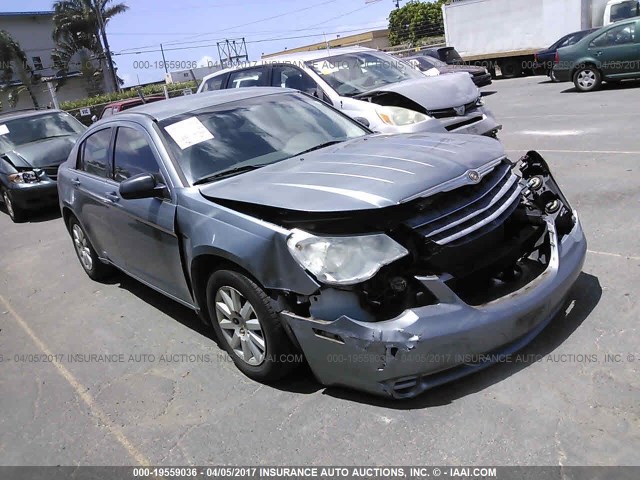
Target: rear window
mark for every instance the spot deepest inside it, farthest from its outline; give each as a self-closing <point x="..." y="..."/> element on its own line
<point x="214" y="83"/>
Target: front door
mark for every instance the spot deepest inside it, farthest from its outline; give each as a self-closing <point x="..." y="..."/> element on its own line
<point x="145" y="228"/>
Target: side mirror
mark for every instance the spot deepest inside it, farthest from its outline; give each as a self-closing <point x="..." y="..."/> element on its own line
<point x="143" y="185"/>
<point x="362" y="121"/>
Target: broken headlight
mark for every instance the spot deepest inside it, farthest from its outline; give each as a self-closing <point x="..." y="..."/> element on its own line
<point x="399" y="116"/>
<point x="28" y="176"/>
<point x="343" y="260"/>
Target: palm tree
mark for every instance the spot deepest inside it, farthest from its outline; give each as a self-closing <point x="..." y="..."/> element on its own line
<point x="14" y="62"/>
<point x="81" y="24"/>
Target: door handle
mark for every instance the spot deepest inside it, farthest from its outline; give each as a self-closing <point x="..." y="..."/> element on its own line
<point x="75" y="182"/>
<point x="113" y="197"/>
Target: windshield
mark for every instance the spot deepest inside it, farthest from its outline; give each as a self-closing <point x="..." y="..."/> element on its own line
<point x="624" y="10"/>
<point x="253" y="132"/>
<point x="21" y="131"/>
<point x="351" y="74"/>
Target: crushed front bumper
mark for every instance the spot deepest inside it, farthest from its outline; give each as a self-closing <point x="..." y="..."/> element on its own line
<point x="478" y="122"/>
<point x="428" y="346"/>
<point x="33" y="196"/>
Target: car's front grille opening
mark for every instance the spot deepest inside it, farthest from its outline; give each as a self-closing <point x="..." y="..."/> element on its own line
<point x="470" y="121"/>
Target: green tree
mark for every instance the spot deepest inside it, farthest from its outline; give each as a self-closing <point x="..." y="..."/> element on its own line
<point x="416" y="20"/>
<point x="77" y="29"/>
<point x="13" y="62"/>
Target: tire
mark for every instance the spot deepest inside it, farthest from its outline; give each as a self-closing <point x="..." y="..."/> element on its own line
<point x="87" y="256"/>
<point x="552" y="76"/>
<point x="510" y="68"/>
<point x="248" y="327"/>
<point x="587" y="78"/>
<point x="16" y="214"/>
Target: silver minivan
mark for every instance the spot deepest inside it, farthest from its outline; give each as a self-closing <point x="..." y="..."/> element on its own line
<point x="381" y="91"/>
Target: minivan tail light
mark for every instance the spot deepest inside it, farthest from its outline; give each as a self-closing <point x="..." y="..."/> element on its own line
<point x="557" y="59"/>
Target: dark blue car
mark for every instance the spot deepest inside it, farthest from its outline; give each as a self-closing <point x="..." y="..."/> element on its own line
<point x="545" y="58"/>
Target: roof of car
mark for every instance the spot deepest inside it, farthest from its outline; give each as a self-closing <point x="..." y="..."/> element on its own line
<point x="11" y="115"/>
<point x="293" y="57"/>
<point x="176" y="106"/>
<point x="135" y="100"/>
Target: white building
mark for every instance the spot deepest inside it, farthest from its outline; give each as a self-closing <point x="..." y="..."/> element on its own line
<point x="33" y="31"/>
<point x="192" y="74"/>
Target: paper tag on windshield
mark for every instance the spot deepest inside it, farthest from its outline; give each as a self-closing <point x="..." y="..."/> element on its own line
<point x="4" y="130"/>
<point x="189" y="132"/>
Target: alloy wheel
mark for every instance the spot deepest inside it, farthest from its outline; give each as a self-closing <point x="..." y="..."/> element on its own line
<point x="8" y="204"/>
<point x="240" y="326"/>
<point x="82" y="247"/>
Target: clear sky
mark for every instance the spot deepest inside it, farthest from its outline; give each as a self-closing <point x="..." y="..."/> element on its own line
<point x="266" y="25"/>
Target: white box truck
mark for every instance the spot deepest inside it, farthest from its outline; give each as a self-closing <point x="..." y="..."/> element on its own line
<point x="506" y="33"/>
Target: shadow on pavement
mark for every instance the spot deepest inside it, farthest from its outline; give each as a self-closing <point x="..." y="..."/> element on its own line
<point x="622" y="85"/>
<point x="581" y="301"/>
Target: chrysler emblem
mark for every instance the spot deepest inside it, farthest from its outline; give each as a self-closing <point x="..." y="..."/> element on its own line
<point x="474" y="176"/>
<point x="460" y="110"/>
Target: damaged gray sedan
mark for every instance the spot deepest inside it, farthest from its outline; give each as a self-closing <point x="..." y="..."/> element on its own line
<point x="394" y="263"/>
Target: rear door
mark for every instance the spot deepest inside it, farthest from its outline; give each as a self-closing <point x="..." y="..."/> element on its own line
<point x="145" y="228"/>
<point x="91" y="183"/>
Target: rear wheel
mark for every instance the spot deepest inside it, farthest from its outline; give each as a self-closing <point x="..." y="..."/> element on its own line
<point x="552" y="76"/>
<point x="86" y="253"/>
<point x="16" y="213"/>
<point x="587" y="78"/>
<point x="248" y="327"/>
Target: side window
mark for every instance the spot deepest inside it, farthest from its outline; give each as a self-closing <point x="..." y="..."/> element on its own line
<point x="214" y="83"/>
<point x="94" y="153"/>
<point x="291" y="77"/>
<point x="251" y="77"/>
<point x="621" y="35"/>
<point x="133" y="155"/>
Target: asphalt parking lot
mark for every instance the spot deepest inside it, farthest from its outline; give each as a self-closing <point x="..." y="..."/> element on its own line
<point x="169" y="396"/>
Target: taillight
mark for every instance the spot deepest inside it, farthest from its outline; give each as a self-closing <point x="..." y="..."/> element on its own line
<point x="535" y="57"/>
<point x="557" y="59"/>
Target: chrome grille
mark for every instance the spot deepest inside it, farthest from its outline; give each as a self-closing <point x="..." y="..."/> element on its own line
<point x="52" y="172"/>
<point x="471" y="210"/>
<point x="450" y="112"/>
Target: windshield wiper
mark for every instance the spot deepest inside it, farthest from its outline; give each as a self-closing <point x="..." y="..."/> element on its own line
<point x="318" y="147"/>
<point x="226" y="173"/>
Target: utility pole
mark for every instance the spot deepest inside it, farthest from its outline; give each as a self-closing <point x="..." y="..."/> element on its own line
<point x="397" y="3"/>
<point x="103" y="33"/>
<point x="164" y="60"/>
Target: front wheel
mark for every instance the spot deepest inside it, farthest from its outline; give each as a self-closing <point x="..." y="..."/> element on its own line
<point x="16" y="213"/>
<point x="587" y="79"/>
<point x="248" y="327"/>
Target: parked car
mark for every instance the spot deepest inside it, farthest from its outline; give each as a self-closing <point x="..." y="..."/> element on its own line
<point x="448" y="55"/>
<point x="610" y="54"/>
<point x="377" y="89"/>
<point x="291" y="227"/>
<point x="33" y="144"/>
<point x="545" y="59"/>
<point x="121" y="105"/>
<point x="431" y="66"/>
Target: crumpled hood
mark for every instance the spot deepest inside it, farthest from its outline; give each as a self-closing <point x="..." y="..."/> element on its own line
<point x="43" y="153"/>
<point x="434" y="93"/>
<point x="370" y="172"/>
